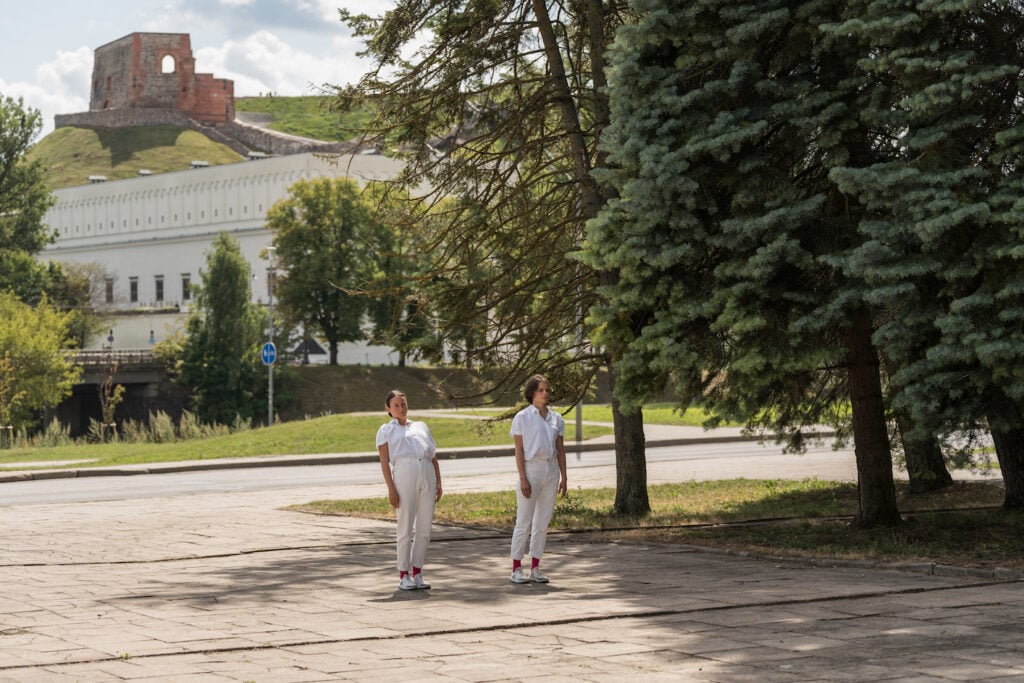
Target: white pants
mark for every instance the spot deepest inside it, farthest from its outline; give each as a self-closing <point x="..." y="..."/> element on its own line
<point x="534" y="513"/>
<point x="417" y="487"/>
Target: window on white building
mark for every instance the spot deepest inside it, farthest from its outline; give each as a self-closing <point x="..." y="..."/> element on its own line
<point x="159" y="282"/>
<point x="109" y="290"/>
<point x="186" y="287"/>
<point x="133" y="290"/>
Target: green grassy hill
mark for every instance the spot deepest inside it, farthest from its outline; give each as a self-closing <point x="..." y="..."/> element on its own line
<point x="74" y="154"/>
<point x="309" y="117"/>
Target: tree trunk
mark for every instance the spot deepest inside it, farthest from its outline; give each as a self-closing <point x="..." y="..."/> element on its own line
<point x="333" y="349"/>
<point x="1008" y="436"/>
<point x="630" y="456"/>
<point x="876" y="488"/>
<point x="630" y="459"/>
<point x="926" y="466"/>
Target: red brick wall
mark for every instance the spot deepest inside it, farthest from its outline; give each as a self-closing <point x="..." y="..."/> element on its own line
<point x="128" y="73"/>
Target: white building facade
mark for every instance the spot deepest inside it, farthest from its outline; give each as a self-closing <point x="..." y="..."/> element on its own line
<point x="151" y="235"/>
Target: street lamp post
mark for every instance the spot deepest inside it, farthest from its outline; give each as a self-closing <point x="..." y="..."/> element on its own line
<point x="270" y="335"/>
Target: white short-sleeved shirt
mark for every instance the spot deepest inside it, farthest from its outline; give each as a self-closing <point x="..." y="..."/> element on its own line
<point x="539" y="433"/>
<point x="413" y="441"/>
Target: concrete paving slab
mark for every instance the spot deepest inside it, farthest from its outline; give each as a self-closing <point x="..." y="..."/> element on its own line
<point x="233" y="587"/>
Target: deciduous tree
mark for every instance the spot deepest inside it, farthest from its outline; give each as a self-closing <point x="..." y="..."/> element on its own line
<point x="24" y="200"/>
<point x="325" y="236"/>
<point x="33" y="342"/>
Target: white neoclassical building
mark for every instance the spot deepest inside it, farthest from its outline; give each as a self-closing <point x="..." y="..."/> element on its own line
<point x="151" y="234"/>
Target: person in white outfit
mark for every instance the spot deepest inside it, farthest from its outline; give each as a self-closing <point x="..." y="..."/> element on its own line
<point x="408" y="459"/>
<point x="540" y="460"/>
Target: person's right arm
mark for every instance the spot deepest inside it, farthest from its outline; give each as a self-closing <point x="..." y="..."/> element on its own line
<point x="385" y="467"/>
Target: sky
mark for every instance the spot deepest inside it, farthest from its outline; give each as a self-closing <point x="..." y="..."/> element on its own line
<point x="288" y="47"/>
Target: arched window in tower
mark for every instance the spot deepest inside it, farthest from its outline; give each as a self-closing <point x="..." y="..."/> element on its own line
<point x="167" y="64"/>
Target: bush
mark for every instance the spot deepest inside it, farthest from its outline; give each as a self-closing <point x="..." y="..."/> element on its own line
<point x="134" y="432"/>
<point x="53" y="435"/>
<point x="161" y="428"/>
<point x="189" y="427"/>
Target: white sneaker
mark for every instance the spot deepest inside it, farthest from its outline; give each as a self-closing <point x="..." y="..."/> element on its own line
<point x="407" y="584"/>
<point x="518" y="576"/>
<point x="536" y="576"/>
<point x="420" y="582"/>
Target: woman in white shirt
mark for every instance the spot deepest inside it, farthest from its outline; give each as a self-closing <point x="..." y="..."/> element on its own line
<point x="408" y="459"/>
<point x="540" y="460"/>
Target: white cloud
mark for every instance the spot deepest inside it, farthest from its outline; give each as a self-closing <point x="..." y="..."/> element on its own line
<point x="262" y="63"/>
<point x="60" y="87"/>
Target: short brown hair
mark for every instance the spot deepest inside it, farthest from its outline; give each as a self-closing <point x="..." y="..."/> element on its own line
<point x="532" y="384"/>
<point x="394" y="393"/>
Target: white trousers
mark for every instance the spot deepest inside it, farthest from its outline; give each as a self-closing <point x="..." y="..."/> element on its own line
<point x="417" y="486"/>
<point x="533" y="514"/>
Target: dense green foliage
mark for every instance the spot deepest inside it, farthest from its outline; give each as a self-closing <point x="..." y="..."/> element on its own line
<point x="725" y="127"/>
<point x="220" y="362"/>
<point x="804" y="183"/>
<point x="326" y="238"/>
<point x="942" y="255"/>
<point x="35" y="370"/>
<point x="35" y="373"/>
<point x="24" y="200"/>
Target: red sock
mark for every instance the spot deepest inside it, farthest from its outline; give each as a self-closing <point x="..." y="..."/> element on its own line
<point x="416" y="570"/>
<point x="534" y="563"/>
<point x="401" y="575"/>
<point x="516" y="564"/>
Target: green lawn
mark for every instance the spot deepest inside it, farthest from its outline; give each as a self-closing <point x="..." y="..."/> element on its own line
<point x="655" y="413"/>
<point x="329" y="434"/>
<point x="960" y="526"/>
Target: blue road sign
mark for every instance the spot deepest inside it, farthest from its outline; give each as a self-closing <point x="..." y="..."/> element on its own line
<point x="269" y="353"/>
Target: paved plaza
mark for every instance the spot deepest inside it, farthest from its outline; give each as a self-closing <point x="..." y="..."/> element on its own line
<point x="235" y="587"/>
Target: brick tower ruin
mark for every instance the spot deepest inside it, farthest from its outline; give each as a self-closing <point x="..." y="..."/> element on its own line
<point x="157" y="71"/>
<point x="150" y="79"/>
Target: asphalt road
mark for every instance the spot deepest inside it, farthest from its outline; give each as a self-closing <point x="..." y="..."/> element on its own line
<point x="594" y="468"/>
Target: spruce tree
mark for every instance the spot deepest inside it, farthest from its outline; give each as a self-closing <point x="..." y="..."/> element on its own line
<point x="727" y="119"/>
<point x="942" y="252"/>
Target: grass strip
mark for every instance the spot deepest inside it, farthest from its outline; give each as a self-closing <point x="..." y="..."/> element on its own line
<point x="959" y="526"/>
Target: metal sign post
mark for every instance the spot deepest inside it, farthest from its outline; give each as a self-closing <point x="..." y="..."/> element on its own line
<point x="269" y="350"/>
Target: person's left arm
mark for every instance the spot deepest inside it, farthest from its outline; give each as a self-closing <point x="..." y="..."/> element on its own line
<point x="433" y="459"/>
<point x="563" y="483"/>
<point x="437" y="476"/>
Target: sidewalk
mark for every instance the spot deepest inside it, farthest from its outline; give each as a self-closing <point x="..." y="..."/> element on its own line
<point x="234" y="587"/>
